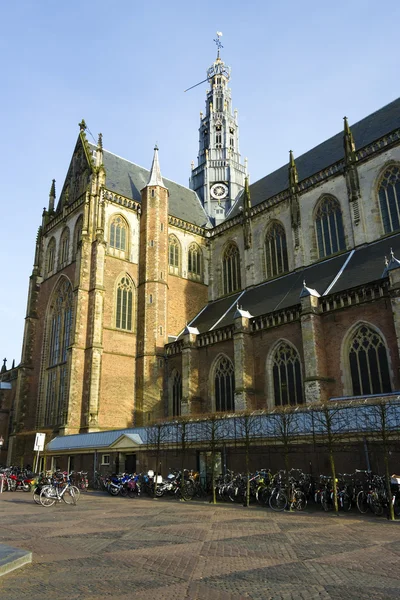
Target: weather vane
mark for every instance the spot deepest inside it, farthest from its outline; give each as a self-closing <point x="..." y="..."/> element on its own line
<point x="209" y="74"/>
<point x="218" y="41"/>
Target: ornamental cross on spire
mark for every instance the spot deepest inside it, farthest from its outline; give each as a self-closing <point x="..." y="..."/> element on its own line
<point x="218" y="42"/>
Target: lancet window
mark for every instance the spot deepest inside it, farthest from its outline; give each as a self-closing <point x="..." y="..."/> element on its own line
<point x="174" y="255"/>
<point x="286" y="374"/>
<point x="59" y="326"/>
<point x="224" y="382"/>
<point x="368" y="360"/>
<point x="195" y="262"/>
<point x="276" y="256"/>
<point x="231" y="269"/>
<point x="389" y="199"/>
<point x="124" y="304"/>
<point x="329" y="227"/>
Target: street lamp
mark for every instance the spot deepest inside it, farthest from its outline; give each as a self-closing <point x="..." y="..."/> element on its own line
<point x="1" y="442"/>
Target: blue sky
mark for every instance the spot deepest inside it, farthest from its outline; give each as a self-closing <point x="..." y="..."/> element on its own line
<point x="297" y="69"/>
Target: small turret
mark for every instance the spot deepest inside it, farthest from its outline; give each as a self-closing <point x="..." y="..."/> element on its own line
<point x="52" y="196"/>
<point x="293" y="175"/>
<point x="155" y="172"/>
<point x="293" y="195"/>
<point x="348" y="142"/>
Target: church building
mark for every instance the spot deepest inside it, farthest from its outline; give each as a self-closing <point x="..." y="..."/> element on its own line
<point x="149" y="299"/>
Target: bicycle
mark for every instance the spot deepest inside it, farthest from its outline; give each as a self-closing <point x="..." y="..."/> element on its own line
<point x="50" y="494"/>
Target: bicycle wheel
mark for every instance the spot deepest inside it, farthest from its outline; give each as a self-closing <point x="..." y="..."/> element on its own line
<point x="77" y="492"/>
<point x="345" y="501"/>
<point x="299" y="501"/>
<point x="48" y="496"/>
<point x="36" y="493"/>
<point x="326" y="505"/>
<point x="69" y="495"/>
<point x="376" y="505"/>
<point x="362" y="502"/>
<point x="278" y="500"/>
<point x="123" y="491"/>
<point x="396" y="504"/>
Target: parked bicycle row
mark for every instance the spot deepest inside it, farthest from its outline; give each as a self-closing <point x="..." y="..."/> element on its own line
<point x="292" y="490"/>
<point x="13" y="479"/>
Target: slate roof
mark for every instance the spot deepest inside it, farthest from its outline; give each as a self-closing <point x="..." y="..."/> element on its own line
<point x="351" y="269"/>
<point x="369" y="129"/>
<point x="95" y="440"/>
<point x="127" y="179"/>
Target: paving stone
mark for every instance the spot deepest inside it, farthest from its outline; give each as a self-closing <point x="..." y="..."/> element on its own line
<point x="138" y="548"/>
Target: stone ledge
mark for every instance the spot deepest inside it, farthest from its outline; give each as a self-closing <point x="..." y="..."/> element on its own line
<point x="13" y="558"/>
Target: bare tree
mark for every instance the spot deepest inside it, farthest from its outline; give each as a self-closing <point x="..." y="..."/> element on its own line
<point x="157" y="436"/>
<point x="284" y="424"/>
<point x="214" y="431"/>
<point x="248" y="428"/>
<point x="382" y="419"/>
<point x="330" y="425"/>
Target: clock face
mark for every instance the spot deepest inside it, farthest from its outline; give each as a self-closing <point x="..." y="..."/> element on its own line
<point x="219" y="191"/>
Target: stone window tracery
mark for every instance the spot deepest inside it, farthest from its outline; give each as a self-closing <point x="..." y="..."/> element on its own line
<point x="329" y="227"/>
<point x="224" y="385"/>
<point x="174" y="255"/>
<point x="195" y="262"/>
<point x="286" y="374"/>
<point x="118" y="241"/>
<point x="64" y="248"/>
<point x="276" y="256"/>
<point x="368" y="360"/>
<point x="77" y="235"/>
<point x="124" y="304"/>
<point x="176" y="394"/>
<point x="59" y="322"/>
<point x="389" y="199"/>
<point x="231" y="269"/>
<point x="50" y="256"/>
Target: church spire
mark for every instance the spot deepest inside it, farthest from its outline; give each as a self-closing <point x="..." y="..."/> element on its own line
<point x="155" y="172"/>
<point x="219" y="176"/>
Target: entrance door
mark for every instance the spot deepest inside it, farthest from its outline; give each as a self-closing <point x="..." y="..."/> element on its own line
<point x="130" y="463"/>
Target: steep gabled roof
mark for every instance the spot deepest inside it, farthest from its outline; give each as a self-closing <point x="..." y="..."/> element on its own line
<point x="125" y="178"/>
<point x="373" y="127"/>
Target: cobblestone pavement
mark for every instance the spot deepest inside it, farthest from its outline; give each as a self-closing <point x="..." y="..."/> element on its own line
<point x="141" y="548"/>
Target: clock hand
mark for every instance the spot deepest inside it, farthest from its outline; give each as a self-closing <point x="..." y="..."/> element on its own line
<point x="193" y="86"/>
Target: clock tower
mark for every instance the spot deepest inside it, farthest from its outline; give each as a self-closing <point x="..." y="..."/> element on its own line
<point x="219" y="176"/>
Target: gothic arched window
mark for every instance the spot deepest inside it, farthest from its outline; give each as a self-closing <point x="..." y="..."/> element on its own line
<point x="329" y="227"/>
<point x="174" y="255"/>
<point x="286" y="374"/>
<point x="63" y="251"/>
<point x="369" y="367"/>
<point x="50" y="256"/>
<point x="231" y="269"/>
<point x="77" y="235"/>
<point x="59" y="324"/>
<point x="389" y="199"/>
<point x="124" y="304"/>
<point x="224" y="385"/>
<point x="276" y="251"/>
<point x="118" y="234"/>
<point x="176" y="394"/>
<point x="195" y="262"/>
